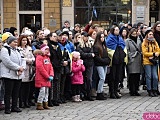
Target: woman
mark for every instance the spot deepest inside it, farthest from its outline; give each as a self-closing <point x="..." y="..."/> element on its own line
<point x="150" y="50"/>
<point x="26" y="51"/>
<point x="87" y="55"/>
<point x="115" y="45"/>
<point x="12" y="66"/>
<point x="101" y="61"/>
<point x="77" y="40"/>
<point x="56" y="60"/>
<point x="133" y="45"/>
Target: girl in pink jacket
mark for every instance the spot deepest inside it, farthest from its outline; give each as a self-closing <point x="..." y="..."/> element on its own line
<point x="44" y="76"/>
<point x="77" y="77"/>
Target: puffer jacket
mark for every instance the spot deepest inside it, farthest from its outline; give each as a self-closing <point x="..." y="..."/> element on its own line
<point x="148" y="50"/>
<point x="44" y="69"/>
<point x="77" y="70"/>
<point x="11" y="63"/>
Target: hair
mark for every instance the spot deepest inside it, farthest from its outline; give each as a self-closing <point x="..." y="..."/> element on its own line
<point x="85" y="44"/>
<point x="66" y="21"/>
<point x="20" y="40"/>
<point x="146" y="41"/>
<point x="112" y="29"/>
<point x="122" y="32"/>
<point x="75" y="36"/>
<point x="154" y="27"/>
<point x="131" y="31"/>
<point x="98" y="43"/>
<point x="37" y="33"/>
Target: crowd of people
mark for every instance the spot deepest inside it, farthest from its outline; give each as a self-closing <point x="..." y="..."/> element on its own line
<point x="46" y="69"/>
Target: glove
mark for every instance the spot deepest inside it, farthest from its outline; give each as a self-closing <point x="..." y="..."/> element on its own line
<point x="50" y="78"/>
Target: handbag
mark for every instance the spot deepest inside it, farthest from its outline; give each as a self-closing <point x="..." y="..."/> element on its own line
<point x="154" y="60"/>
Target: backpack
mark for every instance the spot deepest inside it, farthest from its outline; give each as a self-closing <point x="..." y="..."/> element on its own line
<point x="9" y="50"/>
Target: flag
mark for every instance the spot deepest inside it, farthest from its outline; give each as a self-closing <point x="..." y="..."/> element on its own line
<point x="94" y="12"/>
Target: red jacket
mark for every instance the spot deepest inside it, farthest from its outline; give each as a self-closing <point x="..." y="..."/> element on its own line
<point x="77" y="70"/>
<point x="44" y="69"/>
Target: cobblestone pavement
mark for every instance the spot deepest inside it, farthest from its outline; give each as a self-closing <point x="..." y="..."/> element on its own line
<point x="126" y="108"/>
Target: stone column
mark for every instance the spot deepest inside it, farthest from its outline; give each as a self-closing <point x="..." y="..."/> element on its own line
<point x="68" y="11"/>
<point x="140" y="11"/>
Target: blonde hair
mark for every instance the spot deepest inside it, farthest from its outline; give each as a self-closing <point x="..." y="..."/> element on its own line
<point x="85" y="44"/>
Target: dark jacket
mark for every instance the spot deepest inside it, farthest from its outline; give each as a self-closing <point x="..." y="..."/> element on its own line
<point x="86" y="55"/>
<point x="101" y="60"/>
<point x="56" y="55"/>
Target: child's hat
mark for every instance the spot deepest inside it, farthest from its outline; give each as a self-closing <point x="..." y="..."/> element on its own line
<point x="76" y="54"/>
<point x="43" y="47"/>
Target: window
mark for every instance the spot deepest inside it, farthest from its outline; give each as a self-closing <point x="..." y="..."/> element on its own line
<point x="30" y="5"/>
<point x="108" y="11"/>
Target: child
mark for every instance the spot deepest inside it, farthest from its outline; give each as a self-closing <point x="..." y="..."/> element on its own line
<point x="77" y="76"/>
<point x="44" y="74"/>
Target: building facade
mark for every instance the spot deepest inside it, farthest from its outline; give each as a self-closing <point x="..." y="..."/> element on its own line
<point x="36" y="14"/>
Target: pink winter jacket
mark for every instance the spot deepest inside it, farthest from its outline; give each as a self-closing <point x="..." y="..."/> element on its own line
<point x="77" y="70"/>
<point x="44" y="69"/>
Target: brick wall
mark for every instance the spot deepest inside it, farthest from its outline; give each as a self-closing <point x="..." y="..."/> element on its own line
<point x="52" y="7"/>
<point x="9" y="15"/>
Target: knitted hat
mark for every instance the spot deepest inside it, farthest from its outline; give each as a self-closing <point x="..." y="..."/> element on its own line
<point x="43" y="47"/>
<point x="11" y="39"/>
<point x="5" y="36"/>
<point x="76" y="54"/>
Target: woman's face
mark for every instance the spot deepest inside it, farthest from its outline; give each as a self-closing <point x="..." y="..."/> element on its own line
<point x="94" y="35"/>
<point x="150" y="35"/>
<point x="13" y="44"/>
<point x="124" y="33"/>
<point x="78" y="38"/>
<point x="158" y="27"/>
<point x="24" y="42"/>
<point x="102" y="38"/>
<point x="116" y="31"/>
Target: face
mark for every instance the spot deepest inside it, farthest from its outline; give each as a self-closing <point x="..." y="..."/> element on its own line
<point x="105" y="32"/>
<point x="13" y="44"/>
<point x="158" y="27"/>
<point x="78" y="38"/>
<point x="116" y="31"/>
<point x="70" y="35"/>
<point x="66" y="24"/>
<point x="46" y="52"/>
<point x="41" y="35"/>
<point x="134" y="34"/>
<point x="94" y="35"/>
<point x="150" y="35"/>
<point x="54" y="37"/>
<point x="16" y="33"/>
<point x="30" y="38"/>
<point x="144" y="29"/>
<point x="64" y="38"/>
<point x="124" y="33"/>
<point x="76" y="28"/>
<point x="45" y="42"/>
<point x="85" y="38"/>
<point x="102" y="37"/>
<point x="24" y="42"/>
<point x="75" y="59"/>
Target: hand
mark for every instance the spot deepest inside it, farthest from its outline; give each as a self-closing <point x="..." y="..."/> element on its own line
<point x="93" y="54"/>
<point x="157" y="54"/>
<point x="21" y="69"/>
<point x="90" y="22"/>
<point x="19" y="73"/>
<point x="50" y="78"/>
<point x="65" y="63"/>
